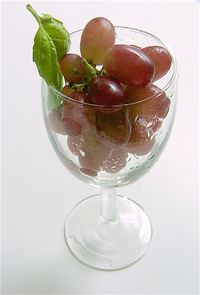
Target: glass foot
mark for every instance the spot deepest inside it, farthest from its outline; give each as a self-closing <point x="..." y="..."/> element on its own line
<point x="108" y="245"/>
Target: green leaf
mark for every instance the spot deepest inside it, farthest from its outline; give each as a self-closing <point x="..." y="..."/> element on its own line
<point x="54" y="99"/>
<point x="45" y="57"/>
<point x="58" y="34"/>
<point x="45" y="54"/>
<point x="51" y="42"/>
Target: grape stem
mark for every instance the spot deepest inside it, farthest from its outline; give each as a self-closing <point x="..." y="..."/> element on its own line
<point x="78" y="86"/>
<point x="101" y="72"/>
<point x="91" y="75"/>
<point x="91" y="71"/>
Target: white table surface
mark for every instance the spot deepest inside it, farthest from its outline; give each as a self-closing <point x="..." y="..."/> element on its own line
<point x="38" y="192"/>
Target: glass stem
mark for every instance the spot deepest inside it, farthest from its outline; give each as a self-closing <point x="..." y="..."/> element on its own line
<point x="108" y="205"/>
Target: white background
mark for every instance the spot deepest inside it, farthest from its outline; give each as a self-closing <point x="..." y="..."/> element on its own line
<point x="38" y="192"/>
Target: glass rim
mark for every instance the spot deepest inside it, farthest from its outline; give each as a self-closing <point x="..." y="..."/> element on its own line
<point x="163" y="89"/>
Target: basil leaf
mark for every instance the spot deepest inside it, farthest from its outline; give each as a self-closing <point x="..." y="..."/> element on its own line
<point x="51" y="42"/>
<point x="58" y="34"/>
<point x="45" y="57"/>
<point x="54" y="99"/>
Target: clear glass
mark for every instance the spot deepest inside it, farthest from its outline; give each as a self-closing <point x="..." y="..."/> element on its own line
<point x="109" y="149"/>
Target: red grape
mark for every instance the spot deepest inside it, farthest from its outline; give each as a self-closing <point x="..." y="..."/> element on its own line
<point x="89" y="140"/>
<point x="80" y="116"/>
<point x="72" y="127"/>
<point x="92" y="160"/>
<point x="129" y="65"/>
<point x="113" y="129"/>
<point x="105" y="91"/>
<point x="142" y="131"/>
<point x="97" y="37"/>
<point x="72" y="68"/>
<point x="74" y="119"/>
<point x="92" y="151"/>
<point x="141" y="149"/>
<point x="90" y="113"/>
<point x="73" y="143"/>
<point x="67" y="110"/>
<point x="75" y="94"/>
<point x="73" y="114"/>
<point x="161" y="59"/>
<point x="156" y="104"/>
<point x="116" y="161"/>
<point x="88" y="172"/>
<point x="55" y="121"/>
<point x="139" y="134"/>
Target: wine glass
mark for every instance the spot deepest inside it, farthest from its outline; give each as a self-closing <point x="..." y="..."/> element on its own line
<point x="109" y="148"/>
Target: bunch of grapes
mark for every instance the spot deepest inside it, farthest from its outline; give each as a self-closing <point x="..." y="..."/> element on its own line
<point x="114" y="107"/>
